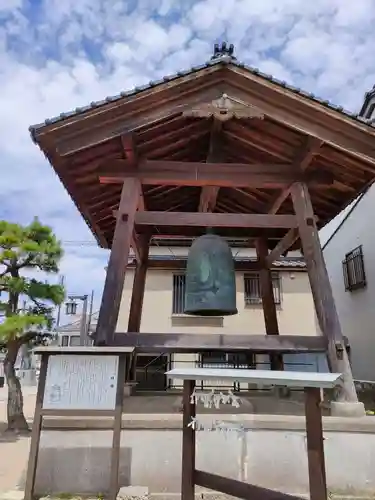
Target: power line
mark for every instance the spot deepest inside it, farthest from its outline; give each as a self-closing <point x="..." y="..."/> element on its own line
<point x="80" y="243"/>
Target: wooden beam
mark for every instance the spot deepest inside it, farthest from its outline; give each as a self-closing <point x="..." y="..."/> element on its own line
<point x="302" y="161"/>
<point x="156" y="172"/>
<point x="131" y="156"/>
<point x="135" y="245"/>
<point x="321" y="289"/>
<point x="307" y="152"/>
<point x="188" y="442"/>
<point x="139" y="283"/>
<point x="315" y="444"/>
<point x="289" y="109"/>
<point x="283" y="246"/>
<point x="102" y="126"/>
<point x="279" y="200"/>
<point x="208" y="198"/>
<point x="130" y="149"/>
<point x="213" y="219"/>
<point x="185" y="342"/>
<point x="118" y="262"/>
<point x="268" y="300"/>
<point x="302" y="115"/>
<point x="241" y="266"/>
<point x="209" y="194"/>
<point x="239" y="489"/>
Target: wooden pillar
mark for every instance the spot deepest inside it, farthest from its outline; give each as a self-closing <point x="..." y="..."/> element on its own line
<point x="321" y="289"/>
<point x="188" y="442"/>
<point x="118" y="262"/>
<point x="136" y="304"/>
<point x="139" y="283"/>
<point x="315" y="444"/>
<point x="268" y="300"/>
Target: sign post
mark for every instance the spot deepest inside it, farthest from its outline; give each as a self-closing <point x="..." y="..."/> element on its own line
<point x="79" y="382"/>
<point x="311" y="383"/>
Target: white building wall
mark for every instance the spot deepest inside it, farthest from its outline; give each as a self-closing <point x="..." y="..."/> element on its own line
<point x="356" y="309"/>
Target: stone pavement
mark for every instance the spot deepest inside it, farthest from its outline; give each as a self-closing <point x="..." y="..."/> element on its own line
<point x="14" y="450"/>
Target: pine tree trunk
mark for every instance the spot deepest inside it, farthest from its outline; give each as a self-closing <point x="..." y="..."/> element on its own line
<point x="16" y="418"/>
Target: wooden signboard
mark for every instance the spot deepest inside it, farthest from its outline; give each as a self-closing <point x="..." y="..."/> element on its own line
<point x="79" y="381"/>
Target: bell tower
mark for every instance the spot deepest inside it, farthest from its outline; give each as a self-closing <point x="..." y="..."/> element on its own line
<point x="368" y="106"/>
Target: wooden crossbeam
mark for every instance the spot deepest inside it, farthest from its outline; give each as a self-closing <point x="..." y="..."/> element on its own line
<point x="184" y="342"/>
<point x="238" y="489"/>
<point x="302" y="161"/>
<point x="283" y="246"/>
<point x="135" y="244"/>
<point x="279" y="200"/>
<point x="136" y="303"/>
<point x="197" y="219"/>
<point x="179" y="173"/>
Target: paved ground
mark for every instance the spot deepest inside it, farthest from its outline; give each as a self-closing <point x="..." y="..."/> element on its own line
<point x="14" y="451"/>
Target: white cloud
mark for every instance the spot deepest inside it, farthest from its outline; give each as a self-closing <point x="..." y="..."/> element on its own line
<point x="55" y="56"/>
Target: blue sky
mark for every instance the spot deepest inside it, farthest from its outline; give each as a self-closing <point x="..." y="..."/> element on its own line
<point x="57" y="55"/>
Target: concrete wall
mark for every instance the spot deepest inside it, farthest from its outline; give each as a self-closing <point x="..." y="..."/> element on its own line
<point x="271" y="453"/>
<point x="356" y="309"/>
<point x="296" y="313"/>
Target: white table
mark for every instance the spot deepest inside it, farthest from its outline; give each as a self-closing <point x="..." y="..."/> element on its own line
<point x="311" y="383"/>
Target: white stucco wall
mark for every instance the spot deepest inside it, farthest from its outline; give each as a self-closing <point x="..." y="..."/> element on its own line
<point x="356" y="309"/>
<point x="296" y="314"/>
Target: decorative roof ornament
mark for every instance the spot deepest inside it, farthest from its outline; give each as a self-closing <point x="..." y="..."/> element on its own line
<point x="367" y="112"/>
<point x="224" y="109"/>
<point x="223" y="50"/>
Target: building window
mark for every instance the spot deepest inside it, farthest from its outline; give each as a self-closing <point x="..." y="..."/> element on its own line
<point x="354" y="270"/>
<point x="75" y="341"/>
<point x="178" y="306"/>
<point x="64" y="341"/>
<point x="252" y="288"/>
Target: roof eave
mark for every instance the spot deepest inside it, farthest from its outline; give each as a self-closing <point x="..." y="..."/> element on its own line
<point x="82" y="112"/>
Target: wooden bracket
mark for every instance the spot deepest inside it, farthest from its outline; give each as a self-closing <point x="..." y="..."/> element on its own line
<point x="129" y="149"/>
<point x="339" y="350"/>
<point x="224" y="109"/>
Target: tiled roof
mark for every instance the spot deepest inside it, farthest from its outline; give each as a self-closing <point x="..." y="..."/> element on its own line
<point x="223" y="60"/>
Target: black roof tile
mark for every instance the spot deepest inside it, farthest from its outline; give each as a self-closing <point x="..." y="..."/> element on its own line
<point x="224" y="60"/>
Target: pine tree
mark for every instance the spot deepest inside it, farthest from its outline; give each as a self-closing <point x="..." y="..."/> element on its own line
<point x="25" y="251"/>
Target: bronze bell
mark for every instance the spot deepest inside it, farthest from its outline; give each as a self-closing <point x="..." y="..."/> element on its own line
<point x="210" y="288"/>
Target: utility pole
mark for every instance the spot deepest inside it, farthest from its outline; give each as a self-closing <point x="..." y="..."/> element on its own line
<point x="58" y="317"/>
<point x="71" y="310"/>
